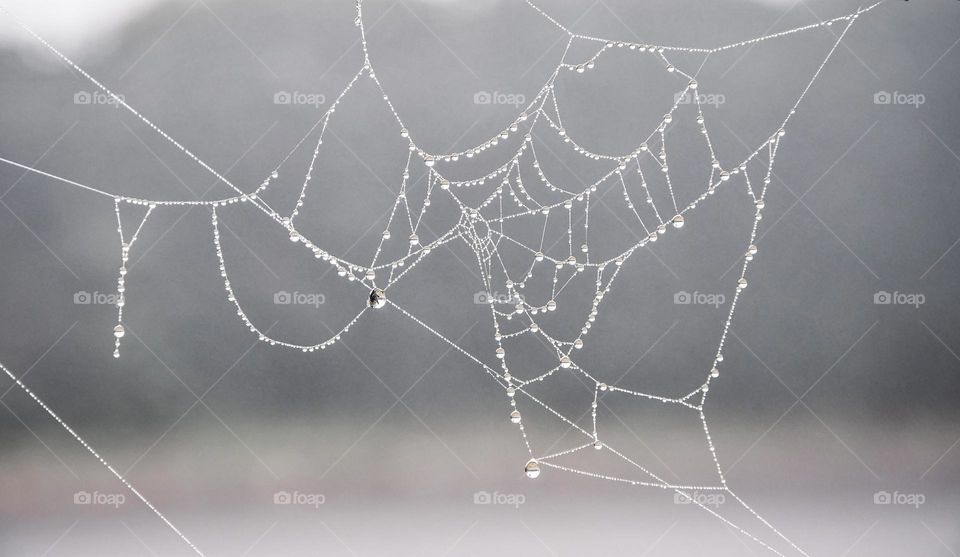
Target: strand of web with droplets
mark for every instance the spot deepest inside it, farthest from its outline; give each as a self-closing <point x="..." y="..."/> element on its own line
<point x="99" y="458"/>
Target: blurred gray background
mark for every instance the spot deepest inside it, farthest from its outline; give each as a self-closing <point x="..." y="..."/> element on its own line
<point x="827" y="400"/>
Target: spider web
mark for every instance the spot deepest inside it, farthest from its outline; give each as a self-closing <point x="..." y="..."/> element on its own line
<point x="524" y="280"/>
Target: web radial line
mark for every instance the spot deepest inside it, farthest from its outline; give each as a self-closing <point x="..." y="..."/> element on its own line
<point x="738" y="528"/>
<point x="118" y="99"/>
<point x="681" y="490"/>
<point x="549" y="18"/>
<point x="631" y="204"/>
<point x="96" y="455"/>
<point x="566" y="452"/>
<point x="486" y="368"/>
<point x="693" y="500"/>
<point x="823" y="64"/>
<point x="764" y="521"/>
<point x="635" y="464"/>
<point x="58" y="178"/>
<point x="393" y="212"/>
<point x="309" y="174"/>
<point x="595" y="475"/>
<point x="118" y="196"/>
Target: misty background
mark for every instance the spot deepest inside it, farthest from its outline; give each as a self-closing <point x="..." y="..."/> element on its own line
<point x="826" y="399"/>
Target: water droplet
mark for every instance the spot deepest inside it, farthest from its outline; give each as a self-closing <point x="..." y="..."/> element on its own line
<point x="565" y="362"/>
<point x="414" y="239"/>
<point x="119" y="331"/>
<point x="378" y="298"/>
<point x="532" y="469"/>
<point x="678" y="221"/>
<point x="515" y="416"/>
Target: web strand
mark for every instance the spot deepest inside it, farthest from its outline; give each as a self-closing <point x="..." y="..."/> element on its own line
<point x="99" y="458"/>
